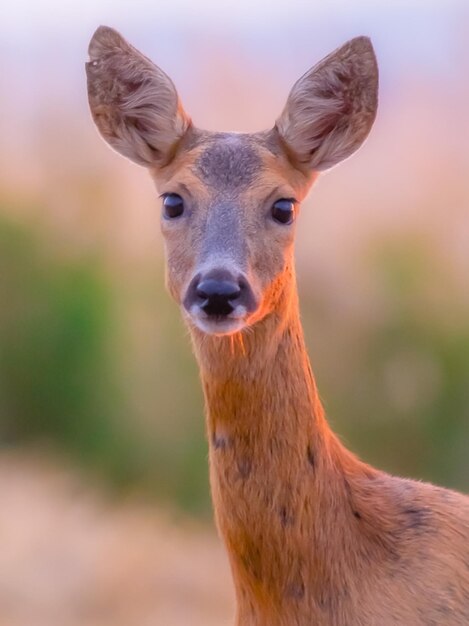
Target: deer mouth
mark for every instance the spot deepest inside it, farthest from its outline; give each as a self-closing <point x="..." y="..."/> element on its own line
<point x="218" y="325"/>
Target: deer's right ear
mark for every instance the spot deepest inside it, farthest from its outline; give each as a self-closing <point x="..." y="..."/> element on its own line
<point x="134" y="104"/>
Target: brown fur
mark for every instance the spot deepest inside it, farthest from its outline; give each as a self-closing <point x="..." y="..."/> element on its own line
<point x="314" y="536"/>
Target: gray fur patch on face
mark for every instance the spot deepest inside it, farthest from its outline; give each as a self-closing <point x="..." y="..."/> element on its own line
<point x="230" y="161"/>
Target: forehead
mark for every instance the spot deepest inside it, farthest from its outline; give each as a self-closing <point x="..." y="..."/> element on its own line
<point x="230" y="164"/>
<point x="229" y="160"/>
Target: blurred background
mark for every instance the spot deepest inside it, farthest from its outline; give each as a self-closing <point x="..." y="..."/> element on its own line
<point x="105" y="511"/>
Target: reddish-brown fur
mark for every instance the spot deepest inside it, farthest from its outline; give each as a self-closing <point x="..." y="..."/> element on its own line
<point x="314" y="536"/>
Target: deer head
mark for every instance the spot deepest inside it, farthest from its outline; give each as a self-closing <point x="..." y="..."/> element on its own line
<point x="230" y="201"/>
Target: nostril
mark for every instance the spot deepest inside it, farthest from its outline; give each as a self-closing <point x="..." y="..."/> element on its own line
<point x="216" y="297"/>
<point x="216" y="289"/>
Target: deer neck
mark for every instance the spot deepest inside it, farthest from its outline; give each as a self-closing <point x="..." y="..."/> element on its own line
<point x="278" y="474"/>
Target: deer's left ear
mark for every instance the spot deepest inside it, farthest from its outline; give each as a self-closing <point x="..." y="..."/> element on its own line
<point x="331" y="109"/>
<point x="134" y="104"/>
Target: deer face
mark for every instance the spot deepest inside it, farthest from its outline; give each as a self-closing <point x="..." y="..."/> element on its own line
<point x="229" y="210"/>
<point x="230" y="201"/>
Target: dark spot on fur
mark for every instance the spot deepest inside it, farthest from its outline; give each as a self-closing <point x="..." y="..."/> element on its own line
<point x="244" y="467"/>
<point x="296" y="590"/>
<point x="219" y="442"/>
<point x="229" y="161"/>
<point x="310" y="456"/>
<point x="415" y="517"/>
<point x="324" y="601"/>
<point x="348" y="489"/>
<point x="286" y="518"/>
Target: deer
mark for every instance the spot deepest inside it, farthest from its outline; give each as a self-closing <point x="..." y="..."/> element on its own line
<point x="314" y="536"/>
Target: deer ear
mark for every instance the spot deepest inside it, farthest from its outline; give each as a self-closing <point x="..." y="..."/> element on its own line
<point x="331" y="109"/>
<point x="134" y="104"/>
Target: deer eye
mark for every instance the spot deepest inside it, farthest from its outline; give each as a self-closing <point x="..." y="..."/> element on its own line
<point x="173" y="205"/>
<point x="283" y="211"/>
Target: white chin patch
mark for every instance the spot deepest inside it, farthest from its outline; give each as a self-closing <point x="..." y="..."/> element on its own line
<point x="220" y="327"/>
<point x="225" y="325"/>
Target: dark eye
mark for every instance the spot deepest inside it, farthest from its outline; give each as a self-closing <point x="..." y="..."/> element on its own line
<point x="283" y="211"/>
<point x="173" y="205"/>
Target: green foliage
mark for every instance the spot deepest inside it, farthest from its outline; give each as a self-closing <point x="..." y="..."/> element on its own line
<point x="57" y="381"/>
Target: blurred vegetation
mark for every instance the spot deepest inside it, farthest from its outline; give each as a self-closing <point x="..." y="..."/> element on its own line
<point x="403" y="399"/>
<point x="101" y="368"/>
<point x="56" y="375"/>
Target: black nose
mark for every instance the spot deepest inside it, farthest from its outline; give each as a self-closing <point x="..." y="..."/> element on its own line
<point x="217" y="293"/>
<point x="216" y="296"/>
